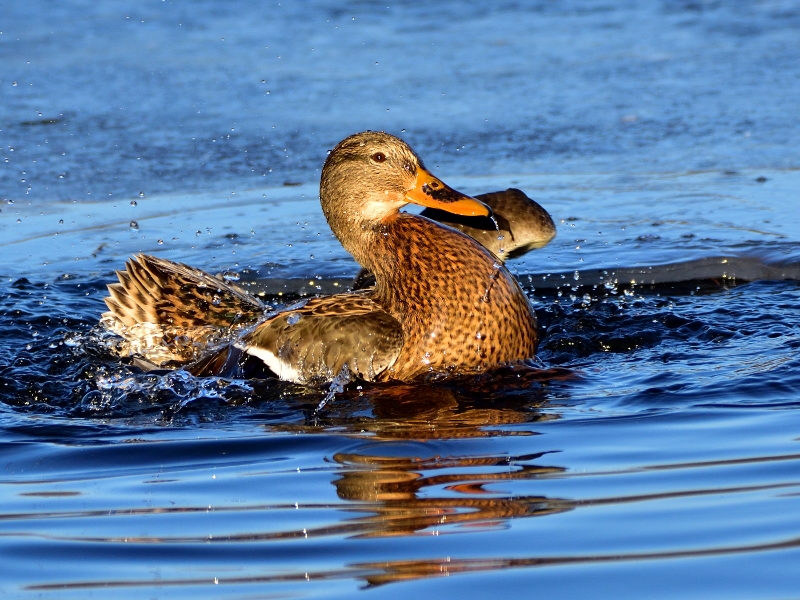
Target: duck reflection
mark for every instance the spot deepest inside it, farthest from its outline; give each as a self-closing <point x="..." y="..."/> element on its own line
<point x="406" y="488"/>
<point x="397" y="483"/>
<point x="481" y="406"/>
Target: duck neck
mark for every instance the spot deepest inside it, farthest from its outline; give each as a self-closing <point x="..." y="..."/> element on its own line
<point x="418" y="265"/>
<point x="360" y="237"/>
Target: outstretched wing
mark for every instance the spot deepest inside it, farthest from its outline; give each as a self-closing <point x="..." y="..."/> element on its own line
<point x="313" y="343"/>
<point x="154" y="290"/>
<point x="170" y="313"/>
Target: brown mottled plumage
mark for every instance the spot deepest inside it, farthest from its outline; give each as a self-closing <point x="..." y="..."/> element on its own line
<point x="518" y="225"/>
<point x="319" y="338"/>
<point x="441" y="303"/>
<point x="172" y="313"/>
<point x="461" y="310"/>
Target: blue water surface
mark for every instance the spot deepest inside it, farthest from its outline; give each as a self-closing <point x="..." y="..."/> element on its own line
<point x="656" y="456"/>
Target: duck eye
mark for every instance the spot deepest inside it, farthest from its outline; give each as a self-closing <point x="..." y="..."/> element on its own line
<point x="379" y="157"/>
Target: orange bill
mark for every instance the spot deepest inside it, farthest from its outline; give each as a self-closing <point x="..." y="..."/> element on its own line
<point x="432" y="192"/>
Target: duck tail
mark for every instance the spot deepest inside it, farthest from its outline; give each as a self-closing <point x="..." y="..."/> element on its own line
<point x="169" y="312"/>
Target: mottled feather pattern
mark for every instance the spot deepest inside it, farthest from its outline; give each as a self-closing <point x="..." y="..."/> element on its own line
<point x="170" y="313"/>
<point x="442" y="302"/>
<point x="461" y="309"/>
<point x="518" y="224"/>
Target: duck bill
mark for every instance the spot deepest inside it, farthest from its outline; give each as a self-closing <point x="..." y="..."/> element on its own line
<point x="432" y="192"/>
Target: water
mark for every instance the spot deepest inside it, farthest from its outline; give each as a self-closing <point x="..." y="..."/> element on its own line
<point x="655" y="456"/>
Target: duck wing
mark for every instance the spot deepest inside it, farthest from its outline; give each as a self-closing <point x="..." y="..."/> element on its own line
<point x="170" y="313"/>
<point x="313" y="343"/>
<point x="154" y="290"/>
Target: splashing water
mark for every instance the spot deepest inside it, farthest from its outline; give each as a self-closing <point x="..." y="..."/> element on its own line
<point x="492" y="278"/>
<point x="337" y="386"/>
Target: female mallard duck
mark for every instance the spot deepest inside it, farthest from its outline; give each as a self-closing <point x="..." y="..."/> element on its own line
<point x="442" y="303"/>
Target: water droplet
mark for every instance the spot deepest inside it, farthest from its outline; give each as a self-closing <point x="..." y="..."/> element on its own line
<point x="134" y="203"/>
<point x="19" y="220"/>
<point x="215" y="300"/>
<point x="293" y="319"/>
<point x="231" y="276"/>
<point x="577" y="276"/>
<point x="492" y="277"/>
<point x="134" y="226"/>
<point x="61" y="221"/>
<point x="141" y="194"/>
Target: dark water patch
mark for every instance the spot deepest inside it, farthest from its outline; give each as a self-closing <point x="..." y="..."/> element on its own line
<point x="57" y="362"/>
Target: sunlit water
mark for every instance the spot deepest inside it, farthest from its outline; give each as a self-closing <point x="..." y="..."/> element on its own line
<point x="656" y="455"/>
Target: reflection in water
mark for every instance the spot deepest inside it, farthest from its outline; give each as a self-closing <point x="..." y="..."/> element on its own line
<point x="470" y="407"/>
<point x="393" y="571"/>
<point x="452" y="487"/>
<point x="406" y="570"/>
<point x="396" y="483"/>
<point x="410" y="462"/>
<point x="393" y="487"/>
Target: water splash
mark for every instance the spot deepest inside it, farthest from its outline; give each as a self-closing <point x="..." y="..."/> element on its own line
<point x="119" y="388"/>
<point x="492" y="278"/>
<point x="337" y="386"/>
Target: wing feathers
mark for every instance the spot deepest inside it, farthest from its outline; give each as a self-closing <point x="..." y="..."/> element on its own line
<point x="313" y="343"/>
<point x="168" y="312"/>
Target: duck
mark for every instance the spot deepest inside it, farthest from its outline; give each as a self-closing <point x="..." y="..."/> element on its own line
<point x="442" y="303"/>
<point x="518" y="225"/>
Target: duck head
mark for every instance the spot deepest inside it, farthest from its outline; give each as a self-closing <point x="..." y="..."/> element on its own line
<point x="369" y="176"/>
